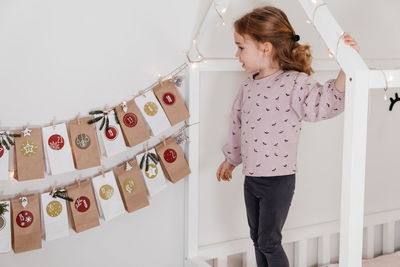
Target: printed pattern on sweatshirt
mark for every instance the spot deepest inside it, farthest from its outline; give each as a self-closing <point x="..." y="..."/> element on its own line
<point x="266" y="116"/>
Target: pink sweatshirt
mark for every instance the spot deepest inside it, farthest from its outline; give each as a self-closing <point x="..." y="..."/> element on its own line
<point x="265" y="120"/>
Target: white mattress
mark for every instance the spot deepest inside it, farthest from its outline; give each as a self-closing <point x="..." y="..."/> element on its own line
<point x="388" y="260"/>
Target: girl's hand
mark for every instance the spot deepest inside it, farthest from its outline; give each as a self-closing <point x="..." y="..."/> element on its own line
<point x="225" y="171"/>
<point x="350" y="41"/>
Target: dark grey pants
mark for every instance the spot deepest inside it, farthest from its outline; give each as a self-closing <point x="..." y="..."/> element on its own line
<point x="267" y="200"/>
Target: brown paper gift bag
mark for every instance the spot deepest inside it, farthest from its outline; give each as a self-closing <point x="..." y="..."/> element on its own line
<point x="131" y="186"/>
<point x="83" y="208"/>
<point x="172" y="160"/>
<point x="29" y="156"/>
<point x="171" y="101"/>
<point x="85" y="148"/>
<point x="132" y="124"/>
<point x="26" y="226"/>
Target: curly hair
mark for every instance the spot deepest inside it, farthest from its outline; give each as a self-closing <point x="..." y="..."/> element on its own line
<point x="270" y="24"/>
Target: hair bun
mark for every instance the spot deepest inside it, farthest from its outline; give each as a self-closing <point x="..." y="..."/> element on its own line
<point x="296" y="38"/>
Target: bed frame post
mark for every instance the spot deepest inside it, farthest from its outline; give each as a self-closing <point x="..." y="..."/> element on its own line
<point x="353" y="176"/>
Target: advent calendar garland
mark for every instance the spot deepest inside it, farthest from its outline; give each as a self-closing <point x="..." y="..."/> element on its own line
<point x="74" y="146"/>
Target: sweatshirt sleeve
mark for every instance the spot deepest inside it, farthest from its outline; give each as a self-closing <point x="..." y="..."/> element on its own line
<point x="313" y="101"/>
<point x="232" y="148"/>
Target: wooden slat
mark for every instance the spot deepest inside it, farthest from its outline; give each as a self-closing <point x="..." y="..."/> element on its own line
<point x="324" y="249"/>
<point x="249" y="259"/>
<point x="370" y="241"/>
<point x="388" y="237"/>
<point x="222" y="261"/>
<point x="300" y="253"/>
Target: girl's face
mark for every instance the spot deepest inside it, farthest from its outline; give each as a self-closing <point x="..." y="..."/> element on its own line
<point x="253" y="55"/>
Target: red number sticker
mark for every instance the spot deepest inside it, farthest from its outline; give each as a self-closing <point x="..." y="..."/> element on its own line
<point x="82" y="204"/>
<point x="56" y="142"/>
<point x="169" y="98"/>
<point x="170" y="155"/>
<point x="130" y="120"/>
<point x="112" y="133"/>
<point x="24" y="218"/>
<point x="1" y="151"/>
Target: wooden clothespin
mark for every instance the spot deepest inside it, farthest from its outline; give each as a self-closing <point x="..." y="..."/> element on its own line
<point x="53" y="124"/>
<point x="142" y="93"/>
<point x="160" y="80"/>
<point x="147" y="148"/>
<point x="165" y="143"/>
<point x="128" y="166"/>
<point x="124" y="106"/>
<point x="102" y="173"/>
<point x="24" y="201"/>
<point x="79" y="182"/>
<point x="53" y="190"/>
<point x="78" y="119"/>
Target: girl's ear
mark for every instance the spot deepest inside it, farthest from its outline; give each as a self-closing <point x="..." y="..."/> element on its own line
<point x="267" y="48"/>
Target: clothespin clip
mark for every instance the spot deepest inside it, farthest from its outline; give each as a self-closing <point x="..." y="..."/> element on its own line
<point x="160" y="80"/>
<point x="128" y="166"/>
<point x="24" y="201"/>
<point x="165" y="143"/>
<point x="53" y="124"/>
<point x="106" y="110"/>
<point x="79" y="182"/>
<point x="124" y="106"/>
<point x="142" y="93"/>
<point x="102" y="173"/>
<point x="53" y="191"/>
<point x="147" y="148"/>
<point x="78" y="119"/>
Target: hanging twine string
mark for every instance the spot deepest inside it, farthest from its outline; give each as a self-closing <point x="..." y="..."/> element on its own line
<point x="168" y="76"/>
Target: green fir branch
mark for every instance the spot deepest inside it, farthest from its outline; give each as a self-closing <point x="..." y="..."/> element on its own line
<point x="3" y="208"/>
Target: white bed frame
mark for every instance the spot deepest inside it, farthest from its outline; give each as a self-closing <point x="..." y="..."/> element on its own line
<point x="352" y="220"/>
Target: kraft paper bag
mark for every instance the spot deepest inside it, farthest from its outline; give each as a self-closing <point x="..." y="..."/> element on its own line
<point x="171" y="101"/>
<point x="4" y="162"/>
<point x="26" y="226"/>
<point x="58" y="149"/>
<point x="153" y="113"/>
<point x="131" y="185"/>
<point x="55" y="217"/>
<point x="85" y="149"/>
<point x="132" y="123"/>
<point x="172" y="160"/>
<point x="83" y="208"/>
<point x="5" y="229"/>
<point x="108" y="196"/>
<point x="29" y="155"/>
<point x="154" y="177"/>
<point x="113" y="139"/>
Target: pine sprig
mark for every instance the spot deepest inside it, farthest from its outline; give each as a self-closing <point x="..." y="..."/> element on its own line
<point x="146" y="157"/>
<point x="5" y="139"/>
<point x="61" y="193"/>
<point x="103" y="118"/>
<point x="3" y="208"/>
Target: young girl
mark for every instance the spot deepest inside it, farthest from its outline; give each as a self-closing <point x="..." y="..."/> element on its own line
<point x="265" y="122"/>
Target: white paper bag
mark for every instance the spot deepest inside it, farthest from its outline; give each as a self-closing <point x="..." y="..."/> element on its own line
<point x="154" y="177"/>
<point x="5" y="230"/>
<point x="113" y="141"/>
<point x="55" y="217"/>
<point x="153" y="113"/>
<point x="58" y="149"/>
<point x="108" y="195"/>
<point x="4" y="161"/>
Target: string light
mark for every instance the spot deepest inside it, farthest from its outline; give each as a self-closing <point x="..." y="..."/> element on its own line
<point x="220" y="13"/>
